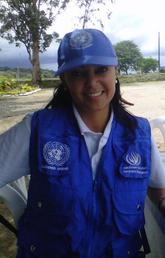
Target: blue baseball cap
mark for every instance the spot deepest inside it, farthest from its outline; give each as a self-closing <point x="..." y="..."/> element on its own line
<point x="85" y="47"/>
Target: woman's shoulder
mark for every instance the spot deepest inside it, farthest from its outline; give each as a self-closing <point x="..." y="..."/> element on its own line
<point x="142" y="122"/>
<point x="132" y="124"/>
<point x="47" y="113"/>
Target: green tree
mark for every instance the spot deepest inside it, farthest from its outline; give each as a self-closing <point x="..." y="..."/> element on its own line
<point x="149" y="65"/>
<point x="27" y="22"/>
<point x="129" y="56"/>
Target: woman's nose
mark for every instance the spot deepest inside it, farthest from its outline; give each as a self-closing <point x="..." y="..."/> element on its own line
<point x="91" y="80"/>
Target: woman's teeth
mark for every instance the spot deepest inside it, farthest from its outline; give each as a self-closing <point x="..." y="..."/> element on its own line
<point x="95" y="94"/>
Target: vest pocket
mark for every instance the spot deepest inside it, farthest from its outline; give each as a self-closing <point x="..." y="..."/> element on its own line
<point x="128" y="211"/>
<point x="126" y="247"/>
<point x="44" y="234"/>
<point x="130" y="188"/>
<point x="54" y="198"/>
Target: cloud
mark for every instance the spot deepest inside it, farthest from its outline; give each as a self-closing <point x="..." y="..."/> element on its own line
<point x="137" y="20"/>
<point x="140" y="21"/>
<point x="12" y="56"/>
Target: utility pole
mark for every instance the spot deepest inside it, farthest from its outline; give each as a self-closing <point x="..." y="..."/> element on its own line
<point x="159" y="52"/>
<point x="18" y="74"/>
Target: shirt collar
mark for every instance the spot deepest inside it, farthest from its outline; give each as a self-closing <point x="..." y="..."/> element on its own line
<point x="84" y="129"/>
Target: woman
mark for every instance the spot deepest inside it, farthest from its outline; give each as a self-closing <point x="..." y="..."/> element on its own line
<point x="89" y="159"/>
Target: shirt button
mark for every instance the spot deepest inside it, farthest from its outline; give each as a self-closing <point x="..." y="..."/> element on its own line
<point x="32" y="248"/>
<point x="39" y="204"/>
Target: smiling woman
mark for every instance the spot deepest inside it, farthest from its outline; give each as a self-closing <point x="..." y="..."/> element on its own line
<point x="92" y="89"/>
<point x="91" y="161"/>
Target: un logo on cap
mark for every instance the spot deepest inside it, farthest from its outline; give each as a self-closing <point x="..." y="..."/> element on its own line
<point x="56" y="153"/>
<point x="80" y="39"/>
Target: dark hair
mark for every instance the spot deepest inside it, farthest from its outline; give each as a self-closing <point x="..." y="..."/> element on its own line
<point x="119" y="105"/>
<point x="62" y="99"/>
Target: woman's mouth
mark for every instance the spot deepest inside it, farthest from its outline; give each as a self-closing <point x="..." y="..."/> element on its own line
<point x="95" y="94"/>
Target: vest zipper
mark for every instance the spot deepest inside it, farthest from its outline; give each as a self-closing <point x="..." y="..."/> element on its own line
<point x="93" y="215"/>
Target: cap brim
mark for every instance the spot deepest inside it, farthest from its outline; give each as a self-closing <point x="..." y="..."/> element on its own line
<point x="87" y="60"/>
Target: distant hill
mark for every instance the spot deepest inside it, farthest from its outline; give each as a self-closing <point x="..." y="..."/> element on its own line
<point x="24" y="73"/>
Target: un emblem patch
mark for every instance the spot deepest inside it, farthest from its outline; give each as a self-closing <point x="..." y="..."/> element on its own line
<point x="81" y="39"/>
<point x="133" y="159"/>
<point x="56" y="153"/>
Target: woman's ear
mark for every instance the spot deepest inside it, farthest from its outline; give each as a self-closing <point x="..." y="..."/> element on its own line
<point x="116" y="71"/>
<point x="62" y="78"/>
<point x="116" y="75"/>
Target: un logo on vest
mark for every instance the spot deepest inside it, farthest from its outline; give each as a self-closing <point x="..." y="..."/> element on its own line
<point x="56" y="153"/>
<point x="133" y="158"/>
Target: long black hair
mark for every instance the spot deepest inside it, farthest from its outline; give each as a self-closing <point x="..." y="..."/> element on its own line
<point x="62" y="99"/>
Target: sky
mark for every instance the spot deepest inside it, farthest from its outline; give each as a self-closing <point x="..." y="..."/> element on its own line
<point x="136" y="20"/>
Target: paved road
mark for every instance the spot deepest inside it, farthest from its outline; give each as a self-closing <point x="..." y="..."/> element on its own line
<point x="13" y="108"/>
<point x="149" y="98"/>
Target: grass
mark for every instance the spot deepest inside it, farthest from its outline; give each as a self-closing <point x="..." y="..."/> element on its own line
<point x="142" y="77"/>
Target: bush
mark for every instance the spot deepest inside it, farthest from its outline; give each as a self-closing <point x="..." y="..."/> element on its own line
<point x="11" y="86"/>
<point x="7" y="84"/>
<point x="26" y="87"/>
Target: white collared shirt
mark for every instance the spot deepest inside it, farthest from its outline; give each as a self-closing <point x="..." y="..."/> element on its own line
<point x="94" y="141"/>
<point x="14" y="151"/>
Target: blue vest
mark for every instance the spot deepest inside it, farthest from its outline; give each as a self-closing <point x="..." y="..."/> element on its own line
<point x="70" y="215"/>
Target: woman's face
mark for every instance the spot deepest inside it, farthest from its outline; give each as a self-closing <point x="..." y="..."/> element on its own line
<point x="92" y="87"/>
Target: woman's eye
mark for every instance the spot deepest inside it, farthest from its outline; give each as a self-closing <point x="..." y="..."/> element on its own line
<point x="102" y="69"/>
<point x="77" y="73"/>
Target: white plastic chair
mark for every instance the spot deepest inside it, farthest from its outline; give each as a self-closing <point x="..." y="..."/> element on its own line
<point x="159" y="123"/>
<point x="21" y="185"/>
<point x="155" y="223"/>
<point x="155" y="229"/>
<point x="13" y="199"/>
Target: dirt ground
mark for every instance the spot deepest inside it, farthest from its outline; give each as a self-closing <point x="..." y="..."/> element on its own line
<point x="149" y="102"/>
<point x="148" y="99"/>
<point x="14" y="108"/>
